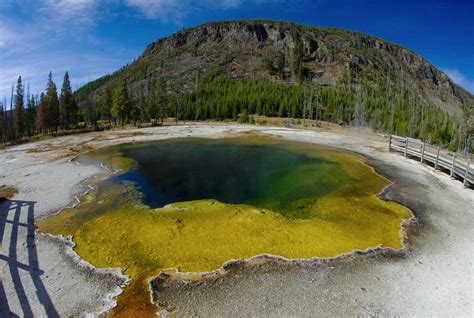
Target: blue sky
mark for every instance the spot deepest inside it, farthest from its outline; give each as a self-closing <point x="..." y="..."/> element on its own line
<point x="90" y="38"/>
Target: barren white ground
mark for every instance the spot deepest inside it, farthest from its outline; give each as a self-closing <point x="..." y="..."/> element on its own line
<point x="40" y="275"/>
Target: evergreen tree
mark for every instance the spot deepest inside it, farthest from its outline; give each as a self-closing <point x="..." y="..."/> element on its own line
<point x="91" y="113"/>
<point x="159" y="101"/>
<point x="121" y="102"/>
<point x="52" y="105"/>
<point x="177" y="90"/>
<point x="106" y="104"/>
<point x="67" y="104"/>
<point x="19" y="116"/>
<point x="41" y="124"/>
<point x="268" y="62"/>
<point x="299" y="70"/>
<point x="281" y="62"/>
<point x="2" y="124"/>
<point x="140" y="107"/>
<point x="135" y="112"/>
<point x="31" y="116"/>
<point x="10" y="126"/>
<point x="383" y="105"/>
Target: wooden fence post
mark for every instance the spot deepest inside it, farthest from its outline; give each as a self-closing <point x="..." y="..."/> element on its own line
<point x="437" y="157"/>
<point x="453" y="165"/>
<point x="389" y="142"/>
<point x="406" y="146"/>
<point x="466" y="174"/>
<point x="422" y="152"/>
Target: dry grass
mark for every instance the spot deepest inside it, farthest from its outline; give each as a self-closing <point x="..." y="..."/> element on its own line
<point x="7" y="192"/>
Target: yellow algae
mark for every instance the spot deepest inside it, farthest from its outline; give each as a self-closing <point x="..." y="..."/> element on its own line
<point x="114" y="228"/>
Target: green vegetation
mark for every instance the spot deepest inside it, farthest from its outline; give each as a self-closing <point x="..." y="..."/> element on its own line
<point x="383" y="106"/>
<point x="301" y="72"/>
<point x="112" y="227"/>
<point x="67" y="104"/>
<point x="276" y="67"/>
<point x="51" y="105"/>
<point x="383" y="109"/>
<point x="19" y="126"/>
<point x="121" y="104"/>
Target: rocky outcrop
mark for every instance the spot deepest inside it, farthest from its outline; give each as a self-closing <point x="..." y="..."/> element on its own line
<point x="239" y="48"/>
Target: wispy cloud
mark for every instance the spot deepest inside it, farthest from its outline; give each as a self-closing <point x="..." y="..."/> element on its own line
<point x="169" y="10"/>
<point x="68" y="15"/>
<point x="68" y="8"/>
<point x="37" y="36"/>
<point x="56" y="37"/>
<point x="460" y="79"/>
<point x="162" y="9"/>
<point x="5" y="35"/>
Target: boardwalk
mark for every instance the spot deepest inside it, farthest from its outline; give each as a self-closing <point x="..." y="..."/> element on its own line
<point x="17" y="231"/>
<point x="457" y="165"/>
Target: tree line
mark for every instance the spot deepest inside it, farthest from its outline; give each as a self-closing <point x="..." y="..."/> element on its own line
<point x="386" y="106"/>
<point x="36" y="114"/>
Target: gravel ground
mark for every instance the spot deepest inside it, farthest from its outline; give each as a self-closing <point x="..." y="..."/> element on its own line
<point x="41" y="275"/>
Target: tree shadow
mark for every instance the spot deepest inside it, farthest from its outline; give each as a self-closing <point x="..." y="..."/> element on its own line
<point x="11" y="213"/>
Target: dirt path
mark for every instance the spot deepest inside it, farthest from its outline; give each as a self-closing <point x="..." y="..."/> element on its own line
<point x="40" y="275"/>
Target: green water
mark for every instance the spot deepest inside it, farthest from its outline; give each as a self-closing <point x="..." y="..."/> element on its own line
<point x="231" y="199"/>
<point x="278" y="177"/>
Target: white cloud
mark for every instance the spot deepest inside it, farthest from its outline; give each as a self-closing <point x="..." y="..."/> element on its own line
<point x="223" y="4"/>
<point x="50" y="24"/>
<point x="6" y="35"/>
<point x="70" y="13"/>
<point x="163" y="9"/>
<point x="82" y="66"/>
<point x="69" y="7"/>
<point x="460" y="79"/>
<point x="176" y="9"/>
<point x="55" y="38"/>
<point x="58" y="34"/>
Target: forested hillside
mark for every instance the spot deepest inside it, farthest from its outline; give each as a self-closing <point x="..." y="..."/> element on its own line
<point x="219" y="70"/>
<point x="234" y="69"/>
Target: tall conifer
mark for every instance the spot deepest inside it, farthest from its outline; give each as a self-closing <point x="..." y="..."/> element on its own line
<point x="107" y="103"/>
<point x="52" y="105"/>
<point x="121" y="102"/>
<point x="19" y="115"/>
<point x="31" y="116"/>
<point x="41" y="114"/>
<point x="67" y="104"/>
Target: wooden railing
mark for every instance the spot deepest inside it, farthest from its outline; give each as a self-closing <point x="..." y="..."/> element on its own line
<point x="457" y="165"/>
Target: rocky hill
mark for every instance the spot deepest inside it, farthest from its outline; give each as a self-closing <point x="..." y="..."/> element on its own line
<point x="251" y="49"/>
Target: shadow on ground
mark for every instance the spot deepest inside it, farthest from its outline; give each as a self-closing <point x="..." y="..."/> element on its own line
<point x="19" y="263"/>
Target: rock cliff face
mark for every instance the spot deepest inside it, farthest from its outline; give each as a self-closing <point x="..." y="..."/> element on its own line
<point x="240" y="49"/>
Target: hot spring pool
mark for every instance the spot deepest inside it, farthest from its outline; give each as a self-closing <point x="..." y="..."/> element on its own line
<point x="193" y="204"/>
